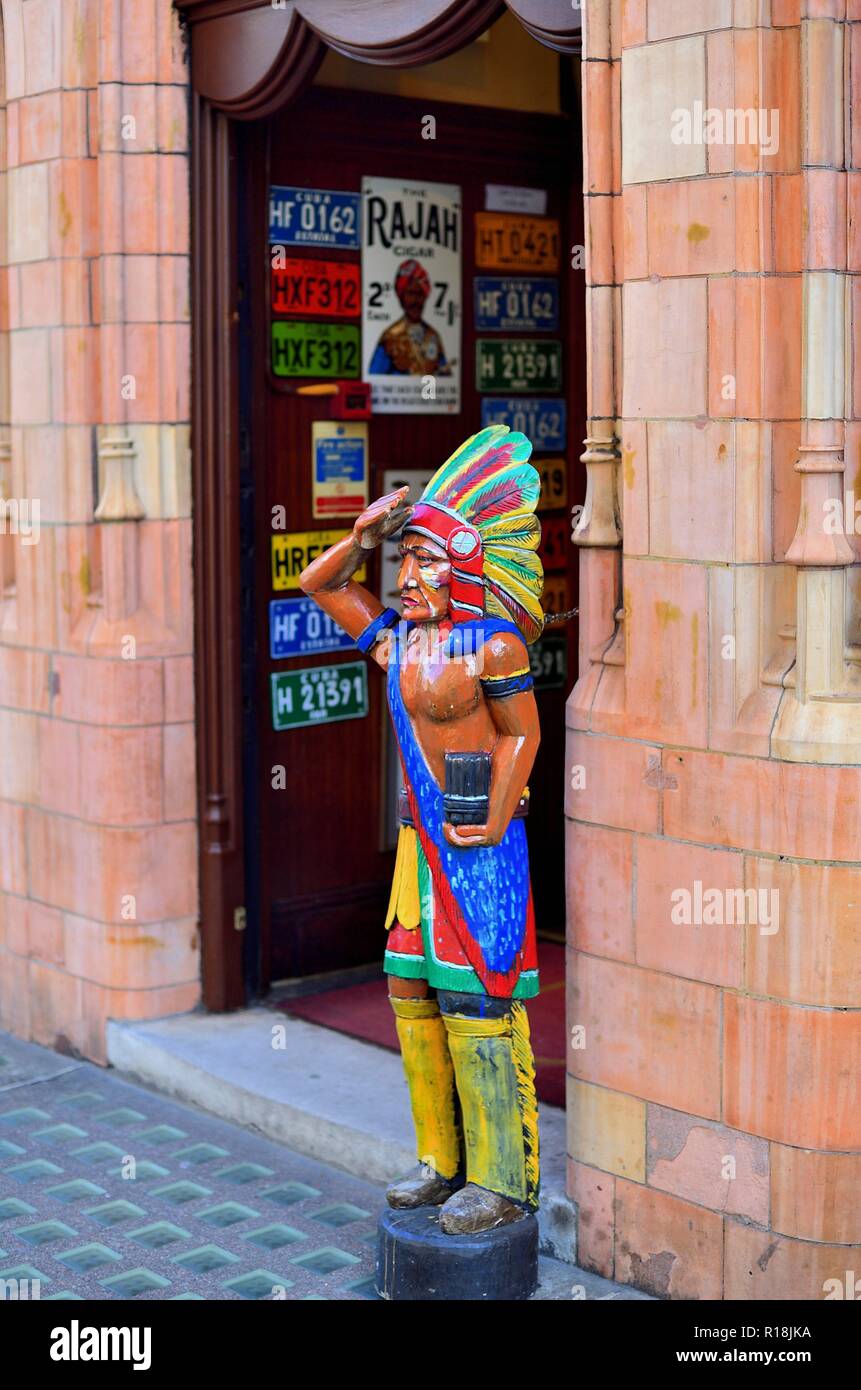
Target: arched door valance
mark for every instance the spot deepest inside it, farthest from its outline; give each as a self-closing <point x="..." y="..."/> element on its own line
<point x="250" y="56"/>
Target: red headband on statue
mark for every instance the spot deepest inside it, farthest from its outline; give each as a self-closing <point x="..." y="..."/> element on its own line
<point x="462" y="544"/>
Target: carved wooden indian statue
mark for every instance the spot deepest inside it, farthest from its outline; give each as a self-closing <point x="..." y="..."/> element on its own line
<point x="461" y="953"/>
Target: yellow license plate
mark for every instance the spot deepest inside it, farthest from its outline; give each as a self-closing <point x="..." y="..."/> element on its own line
<point x="554" y="483"/>
<point x="554" y="598"/>
<point x="510" y="241"/>
<point x="294" y="550"/>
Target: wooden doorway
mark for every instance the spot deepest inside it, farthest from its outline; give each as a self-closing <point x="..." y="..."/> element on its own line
<point x="316" y="909"/>
<point x="250" y="60"/>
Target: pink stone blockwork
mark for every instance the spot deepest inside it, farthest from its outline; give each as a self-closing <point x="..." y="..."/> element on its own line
<point x="669" y="1248"/>
<point x="634" y="486"/>
<point x="600" y="890"/>
<point x="815" y="1195"/>
<point x="593" y="1192"/>
<point x="685" y="896"/>
<point x="789" y="1072"/>
<point x="619" y="785"/>
<point x="619" y="1005"/>
<point x="813" y="956"/>
<point x="760" y="1264"/>
<point x="101" y="1004"/>
<point x="691" y="227"/>
<point x="97" y="790"/>
<point x="666" y="656"/>
<point x="130" y="956"/>
<point x="664" y="347"/>
<point x="692" y="477"/>
<point x="706" y="1163"/>
<point x="746" y="1191"/>
<point x="795" y="809"/>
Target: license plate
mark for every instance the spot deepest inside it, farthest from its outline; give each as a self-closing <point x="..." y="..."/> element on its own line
<point x="548" y="662"/>
<point x="554" y="483"/>
<point x="518" y="364"/>
<point x="319" y="695"/>
<point x="543" y="422"/>
<point x="298" y="627"/>
<point x="554" y="595"/>
<point x="313" y="217"/>
<point x="292" y="551"/>
<point x="509" y="241"/>
<point x="327" y="288"/>
<point x="315" y="349"/>
<point x="555" y="535"/>
<point x="518" y="305"/>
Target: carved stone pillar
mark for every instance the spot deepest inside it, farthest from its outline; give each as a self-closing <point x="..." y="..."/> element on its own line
<point x="119" y="500"/>
<point x="818" y="717"/>
<point x="7" y="543"/>
<point x="599" y="523"/>
<point x="119" y="511"/>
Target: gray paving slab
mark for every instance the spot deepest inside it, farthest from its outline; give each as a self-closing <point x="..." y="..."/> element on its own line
<point x="110" y="1190"/>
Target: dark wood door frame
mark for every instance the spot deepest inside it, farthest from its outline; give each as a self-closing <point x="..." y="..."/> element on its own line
<point x="250" y="58"/>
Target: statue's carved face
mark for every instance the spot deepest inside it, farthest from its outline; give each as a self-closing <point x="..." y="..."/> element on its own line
<point x="424" y="579"/>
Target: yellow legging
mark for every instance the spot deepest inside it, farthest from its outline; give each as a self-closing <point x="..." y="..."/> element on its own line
<point x="487" y="1064"/>
<point x="430" y="1077"/>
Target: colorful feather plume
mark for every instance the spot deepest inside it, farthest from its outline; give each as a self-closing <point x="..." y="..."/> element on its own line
<point x="491" y="483"/>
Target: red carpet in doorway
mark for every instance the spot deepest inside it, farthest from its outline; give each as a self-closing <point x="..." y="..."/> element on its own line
<point x="363" y="1011"/>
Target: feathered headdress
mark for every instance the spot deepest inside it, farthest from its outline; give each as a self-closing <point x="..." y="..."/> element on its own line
<point x="479" y="506"/>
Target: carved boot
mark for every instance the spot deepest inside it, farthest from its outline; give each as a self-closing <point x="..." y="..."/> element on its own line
<point x="430" y="1077"/>
<point x="475" y="1209"/>
<point x="423" y="1187"/>
<point x="496" y="1084"/>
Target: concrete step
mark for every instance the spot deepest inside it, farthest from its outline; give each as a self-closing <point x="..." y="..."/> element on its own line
<point x="323" y="1094"/>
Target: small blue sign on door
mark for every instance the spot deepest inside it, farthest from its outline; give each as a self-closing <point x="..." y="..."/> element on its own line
<point x="516" y="304"/>
<point x="313" y="217"/>
<point x="297" y="627"/>
<point x="542" y="421"/>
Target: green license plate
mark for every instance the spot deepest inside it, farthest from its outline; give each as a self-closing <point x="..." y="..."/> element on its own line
<point x="548" y="661"/>
<point x="319" y="695"/>
<point x="315" y="349"/>
<point x="518" y="364"/>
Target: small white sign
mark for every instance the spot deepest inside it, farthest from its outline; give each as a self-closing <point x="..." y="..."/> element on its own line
<point x="505" y="197"/>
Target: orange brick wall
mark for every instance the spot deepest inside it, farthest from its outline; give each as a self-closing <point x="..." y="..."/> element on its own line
<point x="714" y="1117"/>
<point x="98" y="896"/>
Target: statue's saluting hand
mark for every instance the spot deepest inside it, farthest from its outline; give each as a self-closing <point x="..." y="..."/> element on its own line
<point x="383" y="518"/>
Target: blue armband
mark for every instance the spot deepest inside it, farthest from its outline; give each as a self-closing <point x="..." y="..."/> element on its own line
<point x="497" y="687"/>
<point x="388" y="618"/>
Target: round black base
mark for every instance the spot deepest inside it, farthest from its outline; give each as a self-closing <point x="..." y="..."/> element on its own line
<point x="416" y="1260"/>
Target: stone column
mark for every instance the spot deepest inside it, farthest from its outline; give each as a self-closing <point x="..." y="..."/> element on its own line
<point x="598" y="529"/>
<point x="97" y="801"/>
<point x="819" y="716"/>
<point x="715" y="1011"/>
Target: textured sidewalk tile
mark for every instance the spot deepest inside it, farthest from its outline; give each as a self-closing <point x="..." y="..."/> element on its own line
<point x="222" y="1214"/>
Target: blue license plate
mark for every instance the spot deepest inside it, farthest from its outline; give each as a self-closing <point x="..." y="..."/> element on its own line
<point x="516" y="304"/>
<point x="542" y="421"/>
<point x="297" y="627"/>
<point x="313" y="217"/>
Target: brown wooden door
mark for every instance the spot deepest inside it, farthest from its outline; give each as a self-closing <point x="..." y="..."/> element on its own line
<point x="323" y="853"/>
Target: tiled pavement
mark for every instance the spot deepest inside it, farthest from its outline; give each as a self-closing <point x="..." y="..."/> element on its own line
<point x="109" y="1190"/>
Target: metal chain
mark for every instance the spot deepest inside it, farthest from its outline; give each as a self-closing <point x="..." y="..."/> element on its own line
<point x="559" y="617"/>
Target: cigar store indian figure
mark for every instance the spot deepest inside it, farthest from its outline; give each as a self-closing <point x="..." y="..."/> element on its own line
<point x="461" y="954"/>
